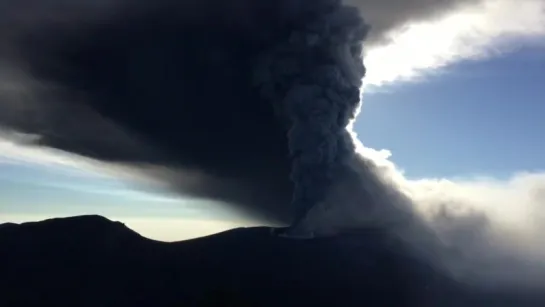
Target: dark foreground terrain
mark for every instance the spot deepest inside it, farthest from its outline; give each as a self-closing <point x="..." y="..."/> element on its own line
<point x="92" y="261"/>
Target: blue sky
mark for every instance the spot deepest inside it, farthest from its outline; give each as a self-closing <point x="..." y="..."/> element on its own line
<point x="30" y="188"/>
<point x="34" y="191"/>
<point x="481" y="117"/>
<point x="458" y="101"/>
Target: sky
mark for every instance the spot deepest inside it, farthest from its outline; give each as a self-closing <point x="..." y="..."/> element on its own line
<point x="463" y="106"/>
<point x="477" y="117"/>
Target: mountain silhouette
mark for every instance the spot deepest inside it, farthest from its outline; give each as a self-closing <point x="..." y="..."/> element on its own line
<point x="92" y="261"/>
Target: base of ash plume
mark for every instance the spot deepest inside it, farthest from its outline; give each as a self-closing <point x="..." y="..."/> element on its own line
<point x="92" y="261"/>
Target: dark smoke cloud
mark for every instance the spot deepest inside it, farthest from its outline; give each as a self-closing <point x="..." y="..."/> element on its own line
<point x="229" y="97"/>
<point x="315" y="75"/>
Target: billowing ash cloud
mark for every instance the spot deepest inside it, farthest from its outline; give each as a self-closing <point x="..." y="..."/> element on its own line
<point x="241" y="101"/>
<point x="225" y="100"/>
<point x="213" y="96"/>
<point x="313" y="79"/>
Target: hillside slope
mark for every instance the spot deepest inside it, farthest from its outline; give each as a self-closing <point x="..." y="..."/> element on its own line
<point x="92" y="261"/>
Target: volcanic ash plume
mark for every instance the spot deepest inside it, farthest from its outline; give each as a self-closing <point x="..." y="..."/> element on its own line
<point x="313" y="79"/>
<point x="221" y="100"/>
<point x="245" y="102"/>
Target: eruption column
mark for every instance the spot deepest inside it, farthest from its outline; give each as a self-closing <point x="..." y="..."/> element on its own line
<point x="313" y="80"/>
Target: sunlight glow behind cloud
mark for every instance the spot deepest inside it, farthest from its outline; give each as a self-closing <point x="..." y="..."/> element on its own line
<point x="473" y="32"/>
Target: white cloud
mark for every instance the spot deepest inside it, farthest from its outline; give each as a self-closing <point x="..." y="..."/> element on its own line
<point x="470" y="32"/>
<point x="492" y="229"/>
<point x="14" y="151"/>
<point x="515" y="208"/>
